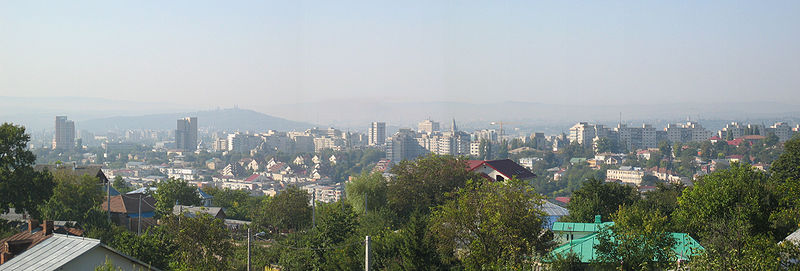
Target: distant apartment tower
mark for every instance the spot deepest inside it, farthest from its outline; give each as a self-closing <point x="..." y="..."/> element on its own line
<point x="404" y="146"/>
<point x="428" y="126"/>
<point x="582" y="133"/>
<point x="688" y="132"/>
<point x="64" y="137"/>
<point x="635" y="138"/>
<point x="186" y="134"/>
<point x="377" y="134"/>
<point x="782" y="130"/>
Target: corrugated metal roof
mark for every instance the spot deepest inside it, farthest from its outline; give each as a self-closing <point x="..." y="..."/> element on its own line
<point x="51" y="253"/>
<point x="794" y="237"/>
<point x="579" y="227"/>
<point x="553" y="210"/>
<point x="685" y="247"/>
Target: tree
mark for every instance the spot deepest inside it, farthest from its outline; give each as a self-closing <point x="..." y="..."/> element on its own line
<point x="421" y="184"/>
<point x="604" y="145"/>
<point x="787" y="167"/>
<point x="786" y="173"/>
<point x="492" y="225"/>
<point x="597" y="197"/>
<point x="638" y="239"/>
<point x="371" y="185"/>
<point x="73" y="197"/>
<point x="663" y="200"/>
<point x="335" y="222"/>
<point x="417" y="248"/>
<point x="771" y="140"/>
<point x="665" y="148"/>
<point x="288" y="210"/>
<point x="154" y="247"/>
<point x="21" y="187"/>
<point x="238" y="204"/>
<point x="171" y="191"/>
<point x="201" y="243"/>
<point x="726" y="208"/>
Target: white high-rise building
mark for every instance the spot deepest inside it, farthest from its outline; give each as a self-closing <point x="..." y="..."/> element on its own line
<point x="377" y="134"/>
<point x="583" y="133"/>
<point x="428" y="126"/>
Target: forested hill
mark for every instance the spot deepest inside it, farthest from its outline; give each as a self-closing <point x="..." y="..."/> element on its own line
<point x="222" y="119"/>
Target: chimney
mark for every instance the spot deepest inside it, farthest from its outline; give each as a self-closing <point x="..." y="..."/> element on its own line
<point x="47" y="227"/>
<point x="597" y="219"/>
<point x="32" y="225"/>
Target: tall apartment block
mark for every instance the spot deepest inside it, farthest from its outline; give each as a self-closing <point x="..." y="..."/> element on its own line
<point x="64" y="137"/>
<point x="377" y="134"/>
<point x="186" y="134"/>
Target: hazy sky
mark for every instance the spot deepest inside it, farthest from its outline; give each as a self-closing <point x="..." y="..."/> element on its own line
<point x="220" y="53"/>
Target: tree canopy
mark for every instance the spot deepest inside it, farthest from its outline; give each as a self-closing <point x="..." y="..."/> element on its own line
<point x="495" y="225"/>
<point x="596" y="197"/>
<point x="423" y="183"/>
<point x="21" y="187"/>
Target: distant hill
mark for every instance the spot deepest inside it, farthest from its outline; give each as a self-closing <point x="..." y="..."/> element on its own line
<point x="222" y="119"/>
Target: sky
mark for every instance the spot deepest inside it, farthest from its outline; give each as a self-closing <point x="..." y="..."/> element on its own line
<point x="260" y="53"/>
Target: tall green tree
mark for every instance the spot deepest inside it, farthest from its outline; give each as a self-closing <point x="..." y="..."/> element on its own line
<point x="289" y="210"/>
<point x="21" y="187"/>
<point x="726" y="208"/>
<point x="171" y="191"/>
<point x="492" y="225"/>
<point x="785" y="172"/>
<point x="369" y="185"/>
<point x="596" y="197"/>
<point x="417" y="247"/>
<point x="201" y="243"/>
<point x="424" y="183"/>
<point x="73" y="197"/>
<point x="639" y="239"/>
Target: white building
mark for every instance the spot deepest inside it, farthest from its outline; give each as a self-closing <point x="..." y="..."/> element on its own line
<point x="626" y="175"/>
<point x="64" y="252"/>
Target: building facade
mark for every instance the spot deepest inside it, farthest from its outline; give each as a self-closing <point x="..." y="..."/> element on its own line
<point x="186" y="134"/>
<point x="377" y="134"/>
<point x="64" y="137"/>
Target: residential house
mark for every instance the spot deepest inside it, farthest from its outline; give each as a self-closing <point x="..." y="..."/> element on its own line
<point x="581" y="239"/>
<point x="53" y="251"/>
<point x="72" y="169"/>
<point x="127" y="208"/>
<point x="553" y="213"/>
<point x="192" y="211"/>
<point x="500" y="170"/>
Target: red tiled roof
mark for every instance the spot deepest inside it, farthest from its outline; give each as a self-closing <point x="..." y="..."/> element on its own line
<point x="473" y="164"/>
<point x="563" y="199"/>
<point x="252" y="177"/>
<point x="129" y="204"/>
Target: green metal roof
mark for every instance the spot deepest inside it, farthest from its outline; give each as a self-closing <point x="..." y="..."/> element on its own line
<point x="579" y="227"/>
<point x="685" y="246"/>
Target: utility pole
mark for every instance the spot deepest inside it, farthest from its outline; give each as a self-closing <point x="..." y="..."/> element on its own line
<point x="365" y="203"/>
<point x="248" y="248"/>
<point x="139" y="231"/>
<point x="366" y="254"/>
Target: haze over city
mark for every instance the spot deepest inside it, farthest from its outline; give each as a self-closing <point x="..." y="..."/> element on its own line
<point x="399" y="135"/>
<point x="256" y="54"/>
